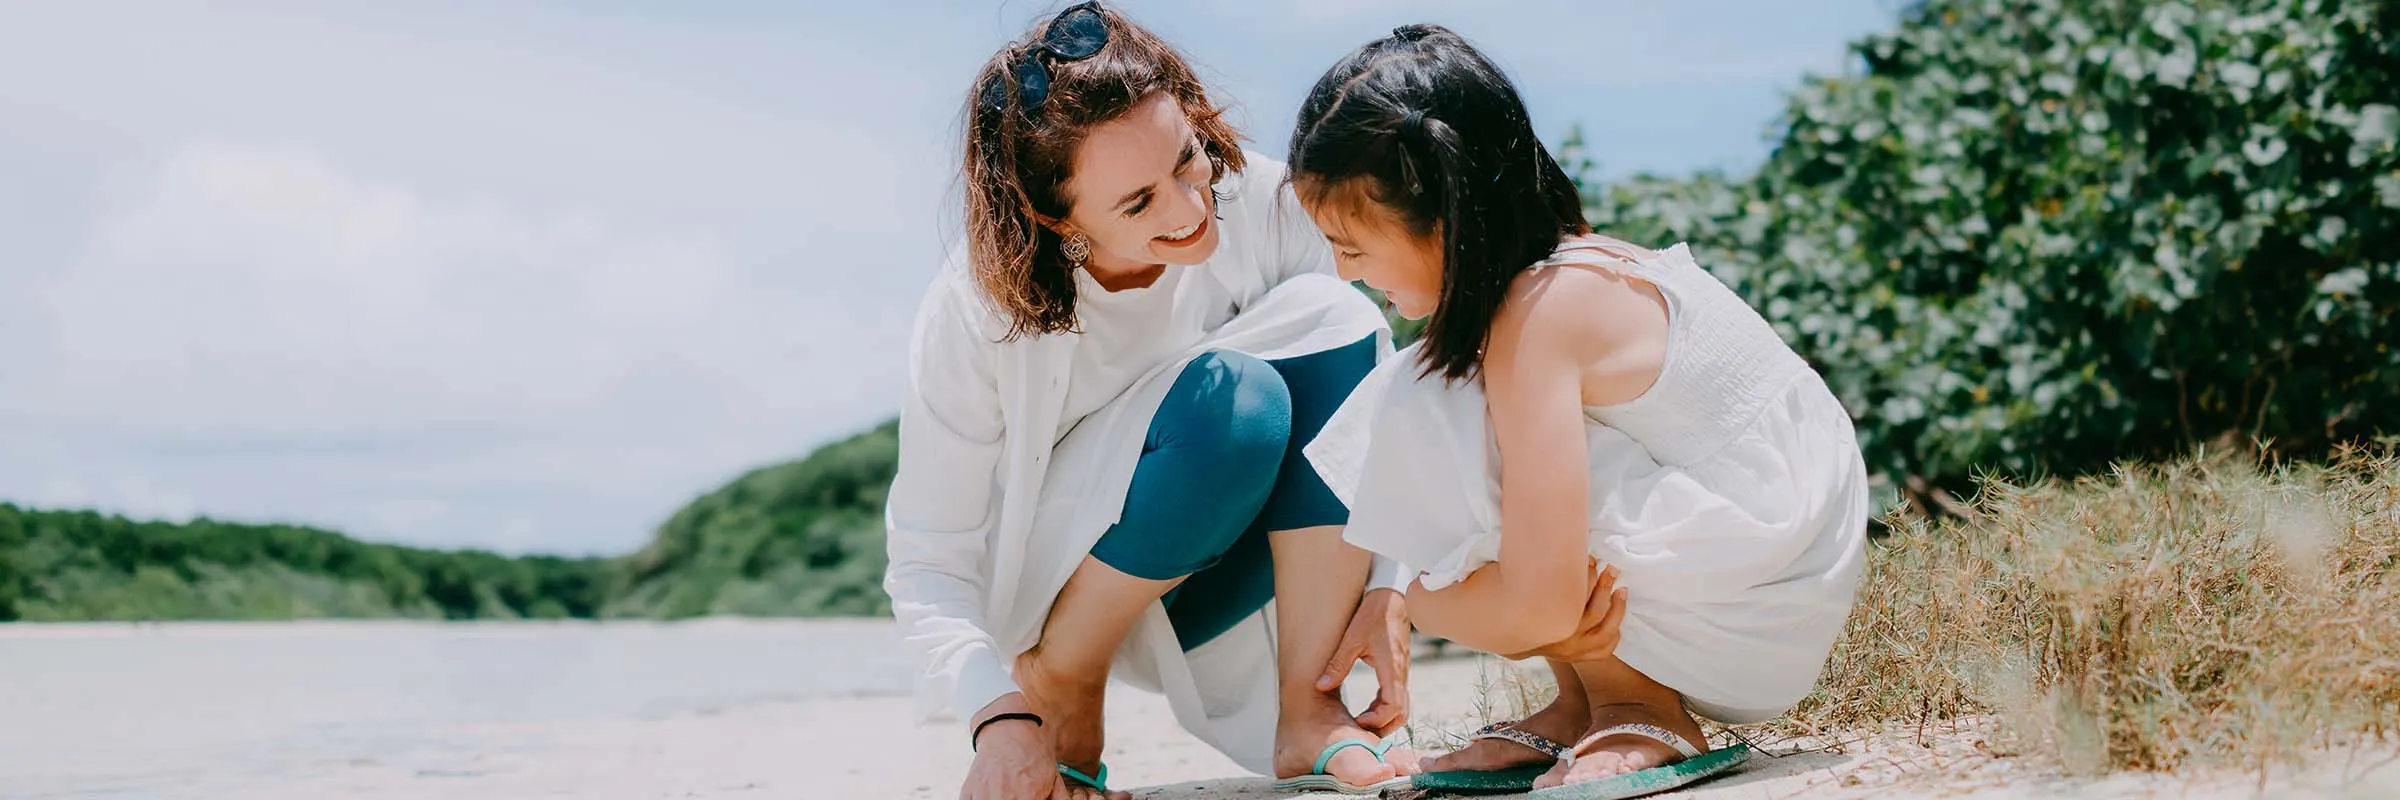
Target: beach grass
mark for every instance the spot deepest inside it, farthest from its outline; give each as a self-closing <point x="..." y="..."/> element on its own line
<point x="2215" y="611"/>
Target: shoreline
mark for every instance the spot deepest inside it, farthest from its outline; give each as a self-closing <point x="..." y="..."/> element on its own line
<point x="88" y="629"/>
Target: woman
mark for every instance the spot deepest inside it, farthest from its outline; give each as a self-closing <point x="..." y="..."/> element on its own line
<point x="1100" y="468"/>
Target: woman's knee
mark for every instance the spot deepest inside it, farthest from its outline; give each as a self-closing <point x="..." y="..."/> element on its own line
<point x="1215" y="447"/>
<point x="1231" y="409"/>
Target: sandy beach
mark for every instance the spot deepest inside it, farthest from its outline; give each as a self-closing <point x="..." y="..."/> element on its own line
<point x="865" y="746"/>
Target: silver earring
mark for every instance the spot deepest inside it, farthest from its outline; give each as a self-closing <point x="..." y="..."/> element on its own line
<point x="1077" y="249"/>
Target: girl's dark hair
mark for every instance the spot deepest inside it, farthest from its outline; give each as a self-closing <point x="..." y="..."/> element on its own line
<point x="1420" y="123"/>
<point x="1018" y="159"/>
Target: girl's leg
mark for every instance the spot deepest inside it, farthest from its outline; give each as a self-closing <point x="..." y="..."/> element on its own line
<point x="1206" y="469"/>
<point x="1622" y="695"/>
<point x="1564" y="721"/>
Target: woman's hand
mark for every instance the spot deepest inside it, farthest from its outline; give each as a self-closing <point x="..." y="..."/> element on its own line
<point x="1601" y="627"/>
<point x="1013" y="759"/>
<point x="1379" y="635"/>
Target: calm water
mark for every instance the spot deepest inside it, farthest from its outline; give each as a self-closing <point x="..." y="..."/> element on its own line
<point x="142" y="711"/>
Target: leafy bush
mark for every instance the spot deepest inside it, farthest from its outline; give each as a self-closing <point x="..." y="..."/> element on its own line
<point x="2038" y="235"/>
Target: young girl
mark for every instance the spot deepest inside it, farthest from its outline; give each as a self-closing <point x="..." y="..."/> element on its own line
<point x="1575" y="400"/>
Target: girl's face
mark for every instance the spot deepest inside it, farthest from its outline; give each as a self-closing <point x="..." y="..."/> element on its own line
<point x="1373" y="245"/>
<point x="1141" y="192"/>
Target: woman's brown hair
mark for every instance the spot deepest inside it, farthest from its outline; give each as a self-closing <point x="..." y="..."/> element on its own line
<point x="1018" y="160"/>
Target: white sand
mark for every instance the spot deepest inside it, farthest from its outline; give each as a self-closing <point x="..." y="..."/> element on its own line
<point x="865" y="748"/>
<point x="858" y="747"/>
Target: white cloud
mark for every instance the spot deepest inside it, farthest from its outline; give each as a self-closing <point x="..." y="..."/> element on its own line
<point x="252" y="300"/>
<point x="341" y="266"/>
<point x="532" y="276"/>
<point x="260" y="291"/>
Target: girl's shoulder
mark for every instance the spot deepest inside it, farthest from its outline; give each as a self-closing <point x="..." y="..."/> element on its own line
<point x="1594" y="297"/>
<point x="1604" y="322"/>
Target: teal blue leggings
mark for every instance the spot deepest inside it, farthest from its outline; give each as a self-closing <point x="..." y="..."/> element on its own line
<point x="1220" y="469"/>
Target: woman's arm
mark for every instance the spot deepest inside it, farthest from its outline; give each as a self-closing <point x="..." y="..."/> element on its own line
<point x="941" y="505"/>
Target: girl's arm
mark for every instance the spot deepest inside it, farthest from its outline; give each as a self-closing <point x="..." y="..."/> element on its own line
<point x="1556" y="324"/>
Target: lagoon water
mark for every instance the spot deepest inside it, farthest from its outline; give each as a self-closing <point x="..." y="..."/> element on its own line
<point x="233" y="710"/>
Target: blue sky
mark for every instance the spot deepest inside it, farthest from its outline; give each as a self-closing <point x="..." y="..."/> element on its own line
<point x="529" y="275"/>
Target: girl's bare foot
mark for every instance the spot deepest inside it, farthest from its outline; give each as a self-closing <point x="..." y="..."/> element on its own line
<point x="1562" y="722"/>
<point x="1623" y="696"/>
<point x="1606" y="756"/>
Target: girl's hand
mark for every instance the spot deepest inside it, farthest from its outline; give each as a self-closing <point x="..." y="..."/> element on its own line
<point x="1602" y="626"/>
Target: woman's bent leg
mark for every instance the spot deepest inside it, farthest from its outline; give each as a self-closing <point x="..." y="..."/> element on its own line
<point x="1223" y="594"/>
<point x="1206" y="468"/>
<point x="1315" y="578"/>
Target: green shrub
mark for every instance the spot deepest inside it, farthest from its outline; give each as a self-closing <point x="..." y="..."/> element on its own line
<point x="2046" y="235"/>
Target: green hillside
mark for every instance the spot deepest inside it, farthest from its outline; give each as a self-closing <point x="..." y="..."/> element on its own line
<point x="80" y="565"/>
<point x="803" y="538"/>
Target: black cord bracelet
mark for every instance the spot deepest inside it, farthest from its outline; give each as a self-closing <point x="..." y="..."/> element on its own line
<point x="973" y="738"/>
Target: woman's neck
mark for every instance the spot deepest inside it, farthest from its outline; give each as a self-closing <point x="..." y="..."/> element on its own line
<point x="1118" y="276"/>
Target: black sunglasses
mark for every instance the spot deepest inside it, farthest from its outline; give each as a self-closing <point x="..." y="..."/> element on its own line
<point x="1075" y="34"/>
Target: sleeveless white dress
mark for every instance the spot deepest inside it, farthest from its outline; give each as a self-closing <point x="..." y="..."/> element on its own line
<point x="1731" y="495"/>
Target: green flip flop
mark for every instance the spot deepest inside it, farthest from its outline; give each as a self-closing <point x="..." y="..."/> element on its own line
<point x="1318" y="781"/>
<point x="1694" y="767"/>
<point x="1099" y="781"/>
<point x="1494" y="781"/>
<point x="1513" y="780"/>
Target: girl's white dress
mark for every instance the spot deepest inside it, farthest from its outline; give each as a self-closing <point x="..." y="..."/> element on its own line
<point x="1731" y="494"/>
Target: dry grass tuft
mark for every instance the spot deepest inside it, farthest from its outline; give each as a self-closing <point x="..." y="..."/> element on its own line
<point x="2208" y="611"/>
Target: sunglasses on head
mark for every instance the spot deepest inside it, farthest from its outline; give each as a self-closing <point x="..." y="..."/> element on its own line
<point x="1075" y="34"/>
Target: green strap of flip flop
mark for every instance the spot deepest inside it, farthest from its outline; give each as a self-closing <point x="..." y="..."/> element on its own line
<point x="1345" y="744"/>
<point x="1099" y="782"/>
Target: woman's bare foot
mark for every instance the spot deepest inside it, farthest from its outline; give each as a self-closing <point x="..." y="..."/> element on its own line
<point x="1597" y="756"/>
<point x="1310" y="727"/>
<point x="1071" y="708"/>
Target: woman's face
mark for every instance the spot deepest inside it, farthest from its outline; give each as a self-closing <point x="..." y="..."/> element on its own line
<point x="1141" y="190"/>
<point x="1373" y="245"/>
